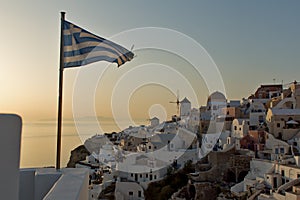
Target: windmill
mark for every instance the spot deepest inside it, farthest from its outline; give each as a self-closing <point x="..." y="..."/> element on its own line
<point x="177" y="102"/>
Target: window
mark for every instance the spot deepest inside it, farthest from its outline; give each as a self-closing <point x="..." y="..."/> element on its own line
<point x="240" y="128"/>
<point x="130" y="193"/>
<point x="278" y="125"/>
<point x="282" y="172"/>
<point x="131" y="175"/>
<point x="146" y="175"/>
<point x="154" y="176"/>
<point x="261" y="118"/>
<point x="139" y="193"/>
<point x="149" y="147"/>
<point x="275" y="182"/>
<point x="141" y="175"/>
<point x="235" y="128"/>
<point x="281" y="150"/>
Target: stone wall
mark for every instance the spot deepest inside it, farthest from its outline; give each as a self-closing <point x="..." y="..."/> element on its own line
<point x="222" y="166"/>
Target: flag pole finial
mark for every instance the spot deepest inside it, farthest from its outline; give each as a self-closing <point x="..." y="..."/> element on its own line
<point x="62" y="16"/>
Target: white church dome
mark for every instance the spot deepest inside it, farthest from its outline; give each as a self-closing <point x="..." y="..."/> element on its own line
<point x="216" y="97"/>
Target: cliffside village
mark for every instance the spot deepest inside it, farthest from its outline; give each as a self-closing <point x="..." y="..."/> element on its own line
<point x="238" y="149"/>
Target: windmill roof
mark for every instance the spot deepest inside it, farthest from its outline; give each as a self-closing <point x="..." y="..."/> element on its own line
<point x="185" y="100"/>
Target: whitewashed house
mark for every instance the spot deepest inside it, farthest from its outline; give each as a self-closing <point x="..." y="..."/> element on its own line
<point x="194" y="120"/>
<point x="257" y="114"/>
<point x="240" y="127"/>
<point x="283" y="123"/>
<point x="128" y="191"/>
<point x="215" y="103"/>
<point x="154" y="122"/>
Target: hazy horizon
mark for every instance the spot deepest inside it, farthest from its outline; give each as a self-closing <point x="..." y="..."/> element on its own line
<point x="250" y="43"/>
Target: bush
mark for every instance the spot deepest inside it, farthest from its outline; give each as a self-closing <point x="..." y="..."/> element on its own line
<point x="166" y="192"/>
<point x="171" y="183"/>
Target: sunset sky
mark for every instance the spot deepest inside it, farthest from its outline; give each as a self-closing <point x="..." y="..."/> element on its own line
<point x="251" y="42"/>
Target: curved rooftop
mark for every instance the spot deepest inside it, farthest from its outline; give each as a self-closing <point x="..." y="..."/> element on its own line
<point x="217" y="97"/>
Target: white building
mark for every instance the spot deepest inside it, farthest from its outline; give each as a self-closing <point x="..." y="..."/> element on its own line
<point x="234" y="103"/>
<point x="163" y="150"/>
<point x="194" y="120"/>
<point x="257" y="113"/>
<point x="275" y="147"/>
<point x="141" y="168"/>
<point x="283" y="123"/>
<point x="185" y="108"/>
<point x="240" y="128"/>
<point x="215" y="103"/>
<point x="154" y="122"/>
<point x="275" y="172"/>
<point x="128" y="191"/>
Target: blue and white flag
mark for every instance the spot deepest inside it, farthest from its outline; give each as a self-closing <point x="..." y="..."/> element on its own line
<point x="82" y="47"/>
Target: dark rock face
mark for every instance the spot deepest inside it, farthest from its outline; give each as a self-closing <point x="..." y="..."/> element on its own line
<point x="205" y="191"/>
<point x="78" y="154"/>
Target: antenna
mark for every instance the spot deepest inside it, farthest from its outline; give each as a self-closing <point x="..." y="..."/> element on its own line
<point x="131" y="49"/>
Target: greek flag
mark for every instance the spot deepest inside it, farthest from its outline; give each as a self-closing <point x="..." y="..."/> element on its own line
<point x="82" y="47"/>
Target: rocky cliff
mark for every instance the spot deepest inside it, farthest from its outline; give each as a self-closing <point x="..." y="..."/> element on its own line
<point x="77" y="154"/>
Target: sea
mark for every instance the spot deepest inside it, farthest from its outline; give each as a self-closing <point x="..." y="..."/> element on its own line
<point x="38" y="144"/>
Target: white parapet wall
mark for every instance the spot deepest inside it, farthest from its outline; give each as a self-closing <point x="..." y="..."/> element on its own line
<point x="71" y="185"/>
<point x="49" y="183"/>
<point x="34" y="184"/>
<point x="44" y="180"/>
<point x="10" y="132"/>
<point x="26" y="190"/>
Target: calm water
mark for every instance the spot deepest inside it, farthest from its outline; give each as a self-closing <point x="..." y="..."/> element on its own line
<point x="38" y="145"/>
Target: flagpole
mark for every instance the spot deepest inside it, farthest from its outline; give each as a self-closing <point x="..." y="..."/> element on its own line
<point x="61" y="72"/>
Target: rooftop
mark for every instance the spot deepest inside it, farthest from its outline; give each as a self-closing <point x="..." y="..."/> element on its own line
<point x="277" y="111"/>
<point x="185" y="100"/>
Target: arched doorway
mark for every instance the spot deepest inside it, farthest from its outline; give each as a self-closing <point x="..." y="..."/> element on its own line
<point x="230" y="176"/>
<point x="191" y="191"/>
<point x="242" y="175"/>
